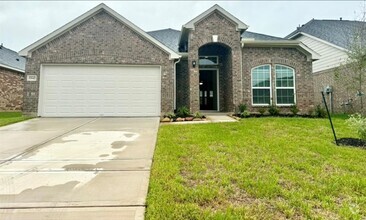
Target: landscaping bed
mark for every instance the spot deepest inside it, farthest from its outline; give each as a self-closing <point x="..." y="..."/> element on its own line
<point x="259" y="168"/>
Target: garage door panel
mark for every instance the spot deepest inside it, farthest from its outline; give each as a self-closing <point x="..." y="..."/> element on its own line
<point x="71" y="90"/>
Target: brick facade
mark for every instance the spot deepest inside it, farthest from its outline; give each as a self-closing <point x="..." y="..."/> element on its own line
<point x="11" y="90"/>
<point x="102" y="39"/>
<point x="343" y="98"/>
<point x="182" y="82"/>
<point x="291" y="57"/>
<point x="99" y="40"/>
<point x="216" y="24"/>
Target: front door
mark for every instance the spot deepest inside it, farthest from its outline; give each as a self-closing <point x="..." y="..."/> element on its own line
<point x="208" y="89"/>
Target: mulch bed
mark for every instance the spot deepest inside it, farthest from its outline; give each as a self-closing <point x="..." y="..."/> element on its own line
<point x="354" y="142"/>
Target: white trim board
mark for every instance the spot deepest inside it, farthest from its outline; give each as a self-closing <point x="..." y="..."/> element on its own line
<point x="27" y="51"/>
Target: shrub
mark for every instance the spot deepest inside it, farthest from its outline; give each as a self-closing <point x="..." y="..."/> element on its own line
<point x="242" y="108"/>
<point x="320" y="112"/>
<point x="182" y="112"/>
<point x="294" y="109"/>
<point x="245" y="114"/>
<point x="170" y="115"/>
<point x="262" y="110"/>
<point x="273" y="110"/>
<point x="198" y="115"/>
<point x="358" y="123"/>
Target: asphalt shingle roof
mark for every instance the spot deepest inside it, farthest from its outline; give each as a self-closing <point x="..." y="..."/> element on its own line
<point x="11" y="59"/>
<point x="338" y="32"/>
<point x="169" y="37"/>
<point x="257" y="36"/>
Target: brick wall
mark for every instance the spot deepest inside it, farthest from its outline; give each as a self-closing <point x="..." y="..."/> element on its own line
<point x="215" y="24"/>
<point x="344" y="90"/>
<point x="182" y="80"/>
<point x="291" y="57"/>
<point x="99" y="40"/>
<point x="11" y="90"/>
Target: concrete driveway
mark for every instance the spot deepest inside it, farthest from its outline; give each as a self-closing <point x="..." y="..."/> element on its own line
<point x="76" y="168"/>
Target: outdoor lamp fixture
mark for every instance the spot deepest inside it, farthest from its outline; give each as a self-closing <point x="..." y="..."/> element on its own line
<point x="201" y="83"/>
<point x="194" y="64"/>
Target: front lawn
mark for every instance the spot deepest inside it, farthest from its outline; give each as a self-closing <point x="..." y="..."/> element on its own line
<point x="11" y="117"/>
<point x="259" y="168"/>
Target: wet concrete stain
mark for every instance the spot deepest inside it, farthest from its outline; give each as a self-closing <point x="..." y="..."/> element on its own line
<point x="40" y="193"/>
<point x="118" y="144"/>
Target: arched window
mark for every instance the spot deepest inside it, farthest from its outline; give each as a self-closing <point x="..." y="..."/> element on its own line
<point x="285" y="85"/>
<point x="261" y="85"/>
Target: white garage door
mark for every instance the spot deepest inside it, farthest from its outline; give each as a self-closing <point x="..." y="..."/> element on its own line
<point x="97" y="90"/>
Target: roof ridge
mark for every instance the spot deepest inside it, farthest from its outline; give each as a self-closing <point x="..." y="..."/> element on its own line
<point x="264" y="34"/>
<point x="163" y="30"/>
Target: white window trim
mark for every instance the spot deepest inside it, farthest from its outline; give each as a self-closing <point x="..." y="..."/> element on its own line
<point x="270" y="85"/>
<point x="293" y="87"/>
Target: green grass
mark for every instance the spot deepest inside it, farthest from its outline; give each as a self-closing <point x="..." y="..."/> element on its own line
<point x="7" y="118"/>
<point x="259" y="168"/>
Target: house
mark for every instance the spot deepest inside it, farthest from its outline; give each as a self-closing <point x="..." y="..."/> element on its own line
<point x="101" y="64"/>
<point x="331" y="39"/>
<point x="12" y="67"/>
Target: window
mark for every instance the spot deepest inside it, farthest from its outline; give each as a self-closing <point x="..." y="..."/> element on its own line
<point x="261" y="85"/>
<point x="285" y="85"/>
<point x="208" y="61"/>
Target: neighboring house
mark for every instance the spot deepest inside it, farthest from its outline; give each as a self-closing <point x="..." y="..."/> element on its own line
<point x="101" y="64"/>
<point x="331" y="39"/>
<point x="12" y="68"/>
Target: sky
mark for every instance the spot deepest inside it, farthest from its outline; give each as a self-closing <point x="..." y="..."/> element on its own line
<point x="24" y="22"/>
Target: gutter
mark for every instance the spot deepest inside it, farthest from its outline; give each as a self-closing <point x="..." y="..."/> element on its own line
<point x="12" y="68"/>
<point x="281" y="43"/>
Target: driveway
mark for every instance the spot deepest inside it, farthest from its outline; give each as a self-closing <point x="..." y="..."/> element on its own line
<point x="76" y="168"/>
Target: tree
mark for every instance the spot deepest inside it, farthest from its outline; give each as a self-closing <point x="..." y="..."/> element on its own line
<point x="355" y="66"/>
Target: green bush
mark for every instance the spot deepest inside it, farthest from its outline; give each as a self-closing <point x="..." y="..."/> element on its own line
<point x="273" y="110"/>
<point x="294" y="109"/>
<point x="242" y="108"/>
<point x="183" y="112"/>
<point x="358" y="123"/>
<point x="320" y="112"/>
<point x="245" y="114"/>
<point x="262" y="111"/>
<point x="170" y="115"/>
<point x="198" y="115"/>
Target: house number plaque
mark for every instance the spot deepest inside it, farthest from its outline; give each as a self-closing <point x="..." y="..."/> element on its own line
<point x="32" y="78"/>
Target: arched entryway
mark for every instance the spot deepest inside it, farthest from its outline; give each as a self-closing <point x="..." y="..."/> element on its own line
<point x="215" y="77"/>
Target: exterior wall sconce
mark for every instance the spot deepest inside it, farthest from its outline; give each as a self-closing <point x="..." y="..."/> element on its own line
<point x="194" y="64"/>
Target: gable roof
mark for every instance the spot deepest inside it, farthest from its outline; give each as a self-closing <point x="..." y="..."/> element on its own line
<point x="11" y="60"/>
<point x="336" y="32"/>
<point x="169" y="37"/>
<point x="27" y="51"/>
<point x="239" y="24"/>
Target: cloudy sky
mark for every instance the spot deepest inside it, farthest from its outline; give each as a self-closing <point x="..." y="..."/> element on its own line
<point x="24" y="22"/>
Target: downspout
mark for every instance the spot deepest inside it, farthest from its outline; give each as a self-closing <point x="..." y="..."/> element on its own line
<point x="175" y="83"/>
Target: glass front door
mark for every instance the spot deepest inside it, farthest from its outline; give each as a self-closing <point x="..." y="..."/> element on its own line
<point x="208" y="89"/>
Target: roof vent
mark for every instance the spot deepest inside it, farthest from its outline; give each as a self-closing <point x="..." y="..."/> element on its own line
<point x="17" y="59"/>
<point x="340" y="18"/>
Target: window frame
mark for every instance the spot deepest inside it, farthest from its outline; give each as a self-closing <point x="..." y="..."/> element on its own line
<point x="270" y="86"/>
<point x="208" y="65"/>
<point x="293" y="86"/>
